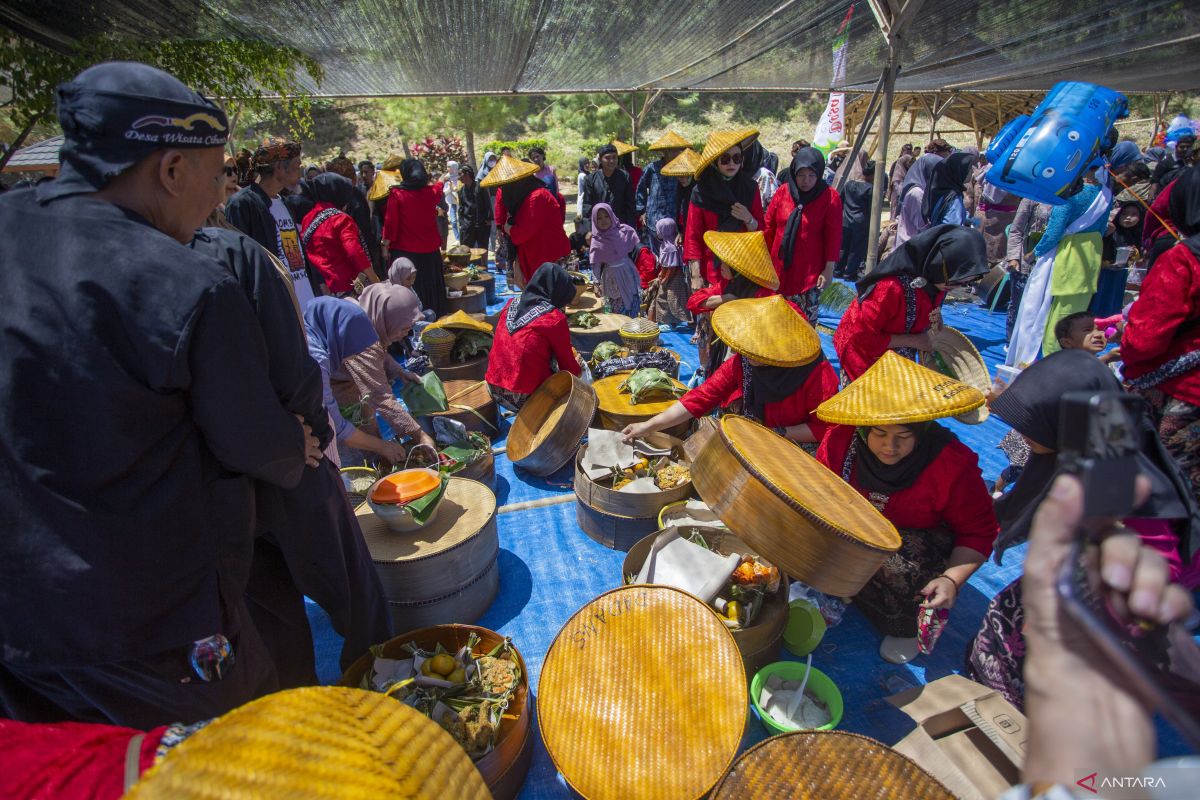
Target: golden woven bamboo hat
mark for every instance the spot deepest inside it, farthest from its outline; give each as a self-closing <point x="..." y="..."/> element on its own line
<point x="745" y="252"/>
<point x="955" y="355"/>
<point x="670" y="141"/>
<point x="896" y="391"/>
<point x="623" y="149"/>
<point x="385" y="179"/>
<point x="393" y="162"/>
<point x="642" y="695"/>
<point x="338" y="742"/>
<point x="720" y="141"/>
<point x="461" y="320"/>
<point x="682" y="165"/>
<point x="833" y="765"/>
<point x="508" y="170"/>
<point x="767" y="330"/>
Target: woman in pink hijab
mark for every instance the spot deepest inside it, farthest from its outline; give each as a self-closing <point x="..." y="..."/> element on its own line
<point x="610" y="251"/>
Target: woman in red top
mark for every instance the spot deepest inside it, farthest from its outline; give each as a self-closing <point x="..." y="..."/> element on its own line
<point x="901" y="299"/>
<point x="331" y="238"/>
<point x="410" y="231"/>
<point x="725" y="199"/>
<point x="924" y="481"/>
<point x="532" y="338"/>
<point x="776" y="378"/>
<point x="532" y="217"/>
<point x="1161" y="343"/>
<point x="804" y="231"/>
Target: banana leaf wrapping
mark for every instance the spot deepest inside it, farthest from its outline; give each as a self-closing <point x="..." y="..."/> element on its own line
<point x="604" y="351"/>
<point x="468" y="344"/>
<point x="582" y="319"/>
<point x="649" y="382"/>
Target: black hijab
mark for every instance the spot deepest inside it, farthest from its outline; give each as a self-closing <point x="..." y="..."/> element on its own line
<point x="947" y="180"/>
<point x="1184" y="203"/>
<point x="514" y="194"/>
<point x="1031" y="406"/>
<point x="468" y="196"/>
<point x="876" y="477"/>
<point x="941" y="254"/>
<point x="716" y="194"/>
<point x="805" y="158"/>
<point x="762" y="384"/>
<point x="329" y="187"/>
<point x="1128" y="237"/>
<point x="413" y="173"/>
<point x="549" y="288"/>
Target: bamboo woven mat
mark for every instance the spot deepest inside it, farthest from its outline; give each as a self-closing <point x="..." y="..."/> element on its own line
<point x="612" y="400"/>
<point x="465" y="509"/>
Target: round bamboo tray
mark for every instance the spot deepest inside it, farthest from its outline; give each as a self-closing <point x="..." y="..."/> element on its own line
<point x="488" y="282"/>
<point x="642" y="695"/>
<point x="504" y="768"/>
<point x="758" y="644"/>
<point x="345" y="741"/>
<point x="445" y="572"/>
<point x="608" y="500"/>
<point x="795" y="512"/>
<point x="585" y="300"/>
<point x="472" y="301"/>
<point x="585" y="339"/>
<point x="471" y="404"/>
<point x="615" y="410"/>
<point x="473" y="369"/>
<point x="832" y="765"/>
<point x="553" y="421"/>
<point x="614" y="531"/>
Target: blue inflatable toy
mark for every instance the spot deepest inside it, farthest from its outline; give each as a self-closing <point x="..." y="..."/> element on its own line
<point x="1044" y="156"/>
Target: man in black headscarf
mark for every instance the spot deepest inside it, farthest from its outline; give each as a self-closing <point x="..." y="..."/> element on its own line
<point x="609" y="184"/>
<point x="128" y="506"/>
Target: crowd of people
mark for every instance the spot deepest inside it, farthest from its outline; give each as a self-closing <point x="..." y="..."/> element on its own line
<point x="193" y="327"/>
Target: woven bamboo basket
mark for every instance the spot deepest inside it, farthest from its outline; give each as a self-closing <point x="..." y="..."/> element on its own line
<point x="758" y="644"/>
<point x="642" y="695"/>
<point x="482" y="470"/>
<point x="472" y="301"/>
<point x="614" y="531"/>
<point x="471" y="404"/>
<point x="608" y="500"/>
<point x="553" y="421"/>
<point x="798" y="514"/>
<point x="438" y="343"/>
<point x="640" y="335"/>
<point x="965" y="364"/>
<point x="488" y="282"/>
<point x="615" y="410"/>
<point x="459" y="256"/>
<point x="445" y="572"/>
<point x="609" y="330"/>
<point x="831" y="765"/>
<point x="473" y="369"/>
<point x="348" y="742"/>
<point x="457" y="281"/>
<point x="504" y="768"/>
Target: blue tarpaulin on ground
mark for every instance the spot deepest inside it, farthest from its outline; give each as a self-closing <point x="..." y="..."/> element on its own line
<point x="549" y="568"/>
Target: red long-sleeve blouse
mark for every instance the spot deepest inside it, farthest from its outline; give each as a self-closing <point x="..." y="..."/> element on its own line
<point x="537" y="230"/>
<point x="1164" y="323"/>
<point x="950" y="492"/>
<point x="410" y="223"/>
<point x="695" y="303"/>
<point x="336" y="249"/>
<point x="725" y="388"/>
<point x="867" y="327"/>
<point x="520" y="362"/>
<point x="700" y="220"/>
<point x="819" y="242"/>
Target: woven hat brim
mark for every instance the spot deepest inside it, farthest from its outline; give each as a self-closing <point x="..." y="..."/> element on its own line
<point x="768" y="331"/>
<point x="670" y="141"/>
<point x="623" y="149"/>
<point x="746" y="253"/>
<point x="896" y="391"/>
<point x="462" y="321"/>
<point x="682" y="165"/>
<point x="508" y="170"/>
<point x="721" y="141"/>
<point x="961" y="355"/>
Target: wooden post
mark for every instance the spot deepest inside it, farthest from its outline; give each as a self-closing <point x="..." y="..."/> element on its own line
<point x="885" y="122"/>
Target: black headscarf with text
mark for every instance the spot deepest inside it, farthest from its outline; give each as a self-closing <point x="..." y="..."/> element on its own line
<point x="805" y="158"/>
<point x="549" y="288"/>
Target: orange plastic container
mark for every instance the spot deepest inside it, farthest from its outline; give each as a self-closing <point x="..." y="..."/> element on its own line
<point x="405" y="486"/>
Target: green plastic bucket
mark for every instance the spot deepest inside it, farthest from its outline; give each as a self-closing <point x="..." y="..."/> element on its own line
<point x="805" y="628"/>
<point x="819" y="684"/>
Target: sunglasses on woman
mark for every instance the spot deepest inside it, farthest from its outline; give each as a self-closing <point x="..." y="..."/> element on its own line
<point x="230" y="172"/>
<point x="736" y="158"/>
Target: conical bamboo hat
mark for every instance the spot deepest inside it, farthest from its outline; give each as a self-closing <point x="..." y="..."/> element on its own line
<point x="463" y="321"/>
<point x="720" y="141"/>
<point x="682" y="164"/>
<point x="767" y="330"/>
<point x="670" y="141"/>
<point x="623" y="148"/>
<point x="508" y="170"/>
<point x="896" y="391"/>
<point x="745" y="252"/>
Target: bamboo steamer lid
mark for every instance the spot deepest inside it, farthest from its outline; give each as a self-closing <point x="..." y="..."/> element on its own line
<point x="642" y="695"/>
<point x="612" y="400"/>
<point x="797" y="514"/>
<point x="827" y="765"/>
<point x="316" y="742"/>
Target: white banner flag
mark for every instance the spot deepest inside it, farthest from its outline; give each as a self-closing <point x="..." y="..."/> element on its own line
<point x="832" y="127"/>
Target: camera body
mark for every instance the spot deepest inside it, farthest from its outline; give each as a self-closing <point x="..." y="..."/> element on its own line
<point x="1098" y="443"/>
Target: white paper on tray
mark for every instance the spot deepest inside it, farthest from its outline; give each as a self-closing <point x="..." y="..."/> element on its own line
<point x="604" y="451"/>
<point x="650" y="451"/>
<point x="674" y="561"/>
<point x="640" y="486"/>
